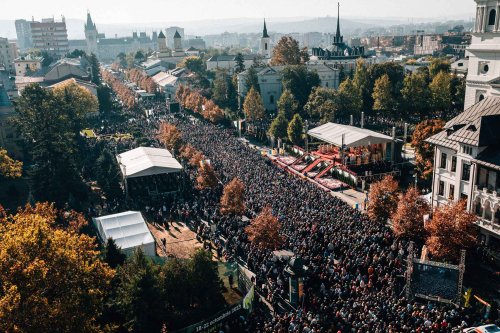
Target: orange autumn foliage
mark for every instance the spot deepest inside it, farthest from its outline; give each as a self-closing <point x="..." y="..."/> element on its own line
<point x="408" y="219"/>
<point x="383" y="199"/>
<point x="451" y="229"/>
<point x="263" y="231"/>
<point x="206" y="177"/>
<point x="232" y="200"/>
<point x="169" y="136"/>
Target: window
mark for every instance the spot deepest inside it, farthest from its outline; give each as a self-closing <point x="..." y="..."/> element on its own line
<point x="453" y="164"/>
<point x="442" y="163"/>
<point x="271" y="99"/>
<point x="441" y="188"/>
<point x="466" y="172"/>
<point x="451" y="193"/>
<point x="265" y="46"/>
<point x="467" y="150"/>
<point x="492" y="18"/>
<point x="481" y="97"/>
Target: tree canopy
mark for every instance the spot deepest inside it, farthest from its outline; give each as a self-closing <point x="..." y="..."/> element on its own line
<point x="286" y="52"/>
<point x="296" y="130"/>
<point x="424" y="152"/>
<point x="383" y="199"/>
<point x="299" y="81"/>
<point x="232" y="200"/>
<point x="9" y="168"/>
<point x="263" y="231"/>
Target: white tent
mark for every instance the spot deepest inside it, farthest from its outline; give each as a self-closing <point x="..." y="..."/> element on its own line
<point x="128" y="230"/>
<point x="146" y="161"/>
<point x="353" y="136"/>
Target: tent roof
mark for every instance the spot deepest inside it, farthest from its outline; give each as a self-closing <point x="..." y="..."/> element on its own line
<point x="353" y="136"/>
<point x="127" y="229"/>
<point x="146" y="161"/>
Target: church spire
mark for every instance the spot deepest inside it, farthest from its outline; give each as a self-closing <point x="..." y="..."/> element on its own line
<point x="264" y="32"/>
<point x="338" y="37"/>
<point x="89" y="25"/>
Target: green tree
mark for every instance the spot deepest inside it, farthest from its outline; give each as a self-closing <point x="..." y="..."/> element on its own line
<point x="458" y="85"/>
<point x="349" y="100"/>
<point x="50" y="127"/>
<point x="286" y="52"/>
<point x="240" y="63"/>
<point x="251" y="79"/>
<point x="194" y="64"/>
<point x="94" y="69"/>
<point x="224" y="92"/>
<point x="396" y="75"/>
<point x="279" y="127"/>
<point x="439" y="65"/>
<point x="122" y="59"/>
<point x="300" y="82"/>
<point x="113" y="256"/>
<point x="361" y="81"/>
<point x="295" y="130"/>
<point x="287" y="105"/>
<point x="139" y="294"/>
<point x="440" y="88"/>
<point x="139" y="56"/>
<point x="108" y="175"/>
<point x="322" y="104"/>
<point x="104" y="99"/>
<point x="416" y="95"/>
<point x="382" y="96"/>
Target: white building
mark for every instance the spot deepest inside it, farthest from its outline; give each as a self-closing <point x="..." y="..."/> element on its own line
<point x="270" y="81"/>
<point x="27" y="64"/>
<point x="483" y="78"/>
<point x="229" y="61"/>
<point x="265" y="43"/>
<point x="50" y="36"/>
<point x="467" y="164"/>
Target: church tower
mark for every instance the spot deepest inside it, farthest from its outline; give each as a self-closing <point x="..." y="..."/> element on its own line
<point x="178" y="50"/>
<point x="265" y="43"/>
<point x="483" y="76"/>
<point x="91" y="35"/>
<point x="338" y="39"/>
<point x="163" y="51"/>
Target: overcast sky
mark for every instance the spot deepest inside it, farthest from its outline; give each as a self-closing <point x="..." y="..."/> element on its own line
<point x="140" y="11"/>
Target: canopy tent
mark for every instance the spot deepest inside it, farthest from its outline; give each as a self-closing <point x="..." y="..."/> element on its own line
<point x="146" y="161"/>
<point x="128" y="230"/>
<point x="353" y="136"/>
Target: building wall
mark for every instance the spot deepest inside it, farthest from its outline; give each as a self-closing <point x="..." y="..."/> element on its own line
<point x="50" y="36"/>
<point x="7" y="54"/>
<point x="23" y="32"/>
<point x="21" y="66"/>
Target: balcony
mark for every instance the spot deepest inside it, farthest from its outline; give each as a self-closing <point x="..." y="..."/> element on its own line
<point x="486" y="205"/>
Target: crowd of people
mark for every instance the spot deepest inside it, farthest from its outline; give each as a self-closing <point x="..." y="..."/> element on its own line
<point x="354" y="267"/>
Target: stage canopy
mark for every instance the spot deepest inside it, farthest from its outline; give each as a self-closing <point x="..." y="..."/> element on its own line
<point x="145" y="161"/>
<point x="353" y="136"/>
<point x="128" y="230"/>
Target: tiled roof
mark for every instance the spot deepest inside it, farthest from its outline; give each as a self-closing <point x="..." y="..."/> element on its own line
<point x="477" y="126"/>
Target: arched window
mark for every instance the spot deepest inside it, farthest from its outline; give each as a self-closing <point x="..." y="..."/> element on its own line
<point x="481" y="97"/>
<point x="265" y="46"/>
<point x="492" y="18"/>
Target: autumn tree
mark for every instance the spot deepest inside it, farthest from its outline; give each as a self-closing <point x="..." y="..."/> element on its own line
<point x="52" y="279"/>
<point x="279" y="127"/>
<point x="263" y="231"/>
<point x="169" y="136"/>
<point x="408" y="219"/>
<point x="286" y="52"/>
<point x="193" y="64"/>
<point x="439" y="65"/>
<point x="206" y="177"/>
<point x="232" y="200"/>
<point x="9" y="168"/>
<point x="451" y="229"/>
<point x="253" y="106"/>
<point x="287" y="104"/>
<point x="383" y="199"/>
<point x="424" y="152"/>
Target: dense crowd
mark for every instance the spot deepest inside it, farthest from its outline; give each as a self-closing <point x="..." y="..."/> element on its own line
<point x="354" y="266"/>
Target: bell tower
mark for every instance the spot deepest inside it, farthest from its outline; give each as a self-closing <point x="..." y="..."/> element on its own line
<point x="265" y="43"/>
<point x="91" y="35"/>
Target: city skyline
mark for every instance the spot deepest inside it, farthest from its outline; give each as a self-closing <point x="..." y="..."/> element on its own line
<point x="109" y="13"/>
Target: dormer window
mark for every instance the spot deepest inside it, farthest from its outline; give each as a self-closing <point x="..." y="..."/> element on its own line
<point x="472" y="128"/>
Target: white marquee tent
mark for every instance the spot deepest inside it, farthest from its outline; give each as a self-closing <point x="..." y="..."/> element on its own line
<point x="146" y="161"/>
<point x="353" y="136"/>
<point x="128" y="230"/>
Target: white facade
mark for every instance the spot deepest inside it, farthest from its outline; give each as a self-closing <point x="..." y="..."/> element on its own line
<point x="50" y="36"/>
<point x="467" y="164"/>
<point x="483" y="78"/>
<point x="28" y="63"/>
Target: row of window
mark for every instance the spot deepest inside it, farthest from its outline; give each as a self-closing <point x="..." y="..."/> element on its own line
<point x="465" y="166"/>
<point x="451" y="190"/>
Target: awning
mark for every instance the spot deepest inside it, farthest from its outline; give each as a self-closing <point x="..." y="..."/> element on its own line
<point x="146" y="161"/>
<point x="353" y="136"/>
